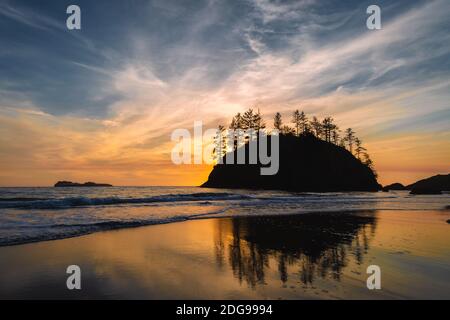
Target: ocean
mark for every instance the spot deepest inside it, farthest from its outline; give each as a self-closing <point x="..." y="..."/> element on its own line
<point x="47" y="213"/>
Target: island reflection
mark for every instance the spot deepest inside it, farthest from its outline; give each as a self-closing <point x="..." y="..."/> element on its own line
<point x="305" y="246"/>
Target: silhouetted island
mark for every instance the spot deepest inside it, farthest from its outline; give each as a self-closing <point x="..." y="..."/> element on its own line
<point x="432" y="185"/>
<point x="312" y="159"/>
<point x="76" y="184"/>
<point x="394" y="186"/>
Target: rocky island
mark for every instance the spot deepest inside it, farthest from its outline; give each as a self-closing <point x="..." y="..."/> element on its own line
<point x="311" y="159"/>
<point x="432" y="185"/>
<point x="394" y="186"/>
<point x="76" y="184"/>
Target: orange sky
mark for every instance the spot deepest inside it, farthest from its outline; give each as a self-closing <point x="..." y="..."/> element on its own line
<point x="39" y="149"/>
<point x="82" y="106"/>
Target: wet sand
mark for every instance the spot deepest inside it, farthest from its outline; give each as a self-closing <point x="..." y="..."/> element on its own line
<point x="308" y="256"/>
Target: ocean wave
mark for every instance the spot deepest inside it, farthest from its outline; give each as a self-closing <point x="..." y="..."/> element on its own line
<point x="330" y="197"/>
<point x="22" y="199"/>
<point x="36" y="233"/>
<point x="62" y="231"/>
<point x="70" y="202"/>
<point x="81" y="201"/>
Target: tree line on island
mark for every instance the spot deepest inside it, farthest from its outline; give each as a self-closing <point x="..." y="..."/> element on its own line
<point x="325" y="129"/>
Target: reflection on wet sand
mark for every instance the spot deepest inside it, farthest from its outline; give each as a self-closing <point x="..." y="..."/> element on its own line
<point x="315" y="245"/>
<point x="308" y="256"/>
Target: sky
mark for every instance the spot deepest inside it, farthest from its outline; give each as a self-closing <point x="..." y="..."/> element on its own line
<point x="100" y="103"/>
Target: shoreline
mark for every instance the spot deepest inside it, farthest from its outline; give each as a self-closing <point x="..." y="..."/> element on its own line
<point x="304" y="256"/>
<point x="131" y="225"/>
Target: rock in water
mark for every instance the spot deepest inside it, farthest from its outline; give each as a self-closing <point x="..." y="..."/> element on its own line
<point x="76" y="184"/>
<point x="307" y="164"/>
<point x="394" y="186"/>
<point x="432" y="185"/>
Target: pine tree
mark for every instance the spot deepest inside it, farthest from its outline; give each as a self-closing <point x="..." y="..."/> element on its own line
<point x="335" y="136"/>
<point x="303" y="122"/>
<point x="316" y="127"/>
<point x="248" y="120"/>
<point x="359" y="148"/>
<point x="369" y="163"/>
<point x="220" y="144"/>
<point x="326" y="130"/>
<point x="328" y="126"/>
<point x="236" y="122"/>
<point x="258" y="122"/>
<point x="286" y="130"/>
<point x="277" y="122"/>
<point x="350" y="139"/>
<point x="296" y="122"/>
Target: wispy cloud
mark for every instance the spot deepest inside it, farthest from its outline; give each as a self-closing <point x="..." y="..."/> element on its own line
<point x="112" y="104"/>
<point x="28" y="17"/>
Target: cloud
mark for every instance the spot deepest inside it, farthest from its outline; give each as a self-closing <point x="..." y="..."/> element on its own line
<point x="29" y="17"/>
<point x="112" y="106"/>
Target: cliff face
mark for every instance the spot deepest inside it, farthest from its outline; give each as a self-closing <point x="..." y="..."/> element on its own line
<point x="307" y="164"/>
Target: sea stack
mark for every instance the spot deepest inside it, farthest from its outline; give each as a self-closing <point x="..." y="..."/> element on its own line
<point x="307" y="164"/>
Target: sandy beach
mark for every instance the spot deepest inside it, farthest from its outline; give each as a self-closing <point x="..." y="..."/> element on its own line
<point x="307" y="256"/>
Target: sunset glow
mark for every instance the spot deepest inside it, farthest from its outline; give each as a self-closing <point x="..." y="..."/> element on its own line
<point x="100" y="103"/>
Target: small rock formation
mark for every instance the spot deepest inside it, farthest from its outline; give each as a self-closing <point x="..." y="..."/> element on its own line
<point x="76" y="184"/>
<point x="394" y="186"/>
<point x="432" y="185"/>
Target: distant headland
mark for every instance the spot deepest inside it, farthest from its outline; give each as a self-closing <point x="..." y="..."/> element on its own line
<point x="432" y="185"/>
<point x="314" y="156"/>
<point x="76" y="184"/>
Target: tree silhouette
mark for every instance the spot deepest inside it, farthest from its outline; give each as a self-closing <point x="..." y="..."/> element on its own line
<point x="335" y="136"/>
<point x="304" y="125"/>
<point x="326" y="130"/>
<point x="359" y="148"/>
<point x="350" y="139"/>
<point x="307" y="247"/>
<point x="328" y="126"/>
<point x="258" y="122"/>
<point x="220" y="143"/>
<point x="300" y="122"/>
<point x="287" y="131"/>
<point x="316" y="127"/>
<point x="248" y="119"/>
<point x="236" y="123"/>
<point x="277" y="122"/>
<point x="368" y="162"/>
<point x="296" y="122"/>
